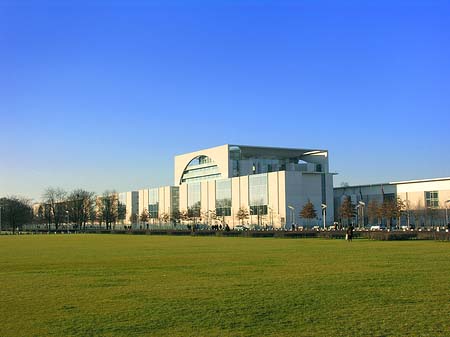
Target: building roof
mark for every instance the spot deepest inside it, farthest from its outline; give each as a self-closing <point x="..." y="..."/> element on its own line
<point x="396" y="183"/>
<point x="419" y="180"/>
<point x="266" y="151"/>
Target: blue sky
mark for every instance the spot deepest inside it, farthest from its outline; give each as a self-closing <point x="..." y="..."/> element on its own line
<point x="102" y="94"/>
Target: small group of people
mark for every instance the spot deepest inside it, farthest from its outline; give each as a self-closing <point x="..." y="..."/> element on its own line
<point x="220" y="227"/>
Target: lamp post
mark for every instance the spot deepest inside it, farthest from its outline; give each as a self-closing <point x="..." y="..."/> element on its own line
<point x="271" y="217"/>
<point x="361" y="204"/>
<point x="0" y="219"/>
<point x="67" y="221"/>
<point x="324" y="215"/>
<point x="446" y="211"/>
<point x="292" y="208"/>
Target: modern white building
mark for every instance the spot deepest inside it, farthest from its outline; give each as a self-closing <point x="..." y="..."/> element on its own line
<point x="271" y="184"/>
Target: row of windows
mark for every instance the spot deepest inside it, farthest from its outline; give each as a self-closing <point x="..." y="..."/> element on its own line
<point x="257" y="194"/>
<point x="431" y="198"/>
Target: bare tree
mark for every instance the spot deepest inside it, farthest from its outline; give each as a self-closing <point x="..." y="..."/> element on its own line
<point x="121" y="212"/>
<point x="373" y="211"/>
<point x="55" y="198"/>
<point x="175" y="217"/>
<point x="79" y="205"/>
<point x="184" y="215"/>
<point x="399" y="209"/>
<point x="389" y="211"/>
<point x="144" y="216"/>
<point x="164" y="218"/>
<point x="107" y="208"/>
<point x="347" y="209"/>
<point x="242" y="214"/>
<point x="133" y="218"/>
<point x="39" y="216"/>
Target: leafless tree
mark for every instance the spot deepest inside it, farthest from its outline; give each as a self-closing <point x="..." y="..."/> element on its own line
<point x="373" y="211"/>
<point x="242" y="214"/>
<point x="79" y="205"/>
<point x="347" y="209"/>
<point x="55" y="198"/>
<point x="108" y="208"/>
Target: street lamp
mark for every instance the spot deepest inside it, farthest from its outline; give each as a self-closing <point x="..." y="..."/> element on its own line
<point x="324" y="215"/>
<point x="292" y="208"/>
<point x="271" y="217"/>
<point x="446" y="211"/>
<point x="361" y="204"/>
<point x="0" y="219"/>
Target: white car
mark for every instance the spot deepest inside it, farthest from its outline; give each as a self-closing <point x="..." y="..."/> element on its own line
<point x="377" y="228"/>
<point x="241" y="228"/>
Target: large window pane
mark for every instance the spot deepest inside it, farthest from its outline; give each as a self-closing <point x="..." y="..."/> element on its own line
<point x="153" y="203"/>
<point x="194" y="199"/>
<point x="223" y="197"/>
<point x="258" y="193"/>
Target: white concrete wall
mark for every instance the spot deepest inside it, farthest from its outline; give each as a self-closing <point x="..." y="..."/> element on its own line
<point x="211" y="189"/>
<point x="183" y="197"/>
<point x="143" y="200"/>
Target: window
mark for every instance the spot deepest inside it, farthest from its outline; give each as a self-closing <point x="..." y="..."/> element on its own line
<point x="223" y="197"/>
<point x="153" y="203"/>
<point x="389" y="197"/>
<point x="432" y="199"/>
<point x="258" y="194"/>
<point x="194" y="199"/>
<point x="258" y="210"/>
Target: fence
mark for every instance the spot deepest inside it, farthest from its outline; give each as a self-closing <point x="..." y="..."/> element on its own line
<point x="339" y="234"/>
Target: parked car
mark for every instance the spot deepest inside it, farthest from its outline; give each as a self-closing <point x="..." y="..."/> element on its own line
<point x="378" y="228"/>
<point x="241" y="228"/>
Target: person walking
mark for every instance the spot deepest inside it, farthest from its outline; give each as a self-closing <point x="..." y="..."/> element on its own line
<point x="350" y="233"/>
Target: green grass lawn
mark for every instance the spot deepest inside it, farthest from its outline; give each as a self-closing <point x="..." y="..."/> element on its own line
<point x="124" y="285"/>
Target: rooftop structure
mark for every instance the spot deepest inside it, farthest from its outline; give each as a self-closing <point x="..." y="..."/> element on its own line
<point x="228" y="161"/>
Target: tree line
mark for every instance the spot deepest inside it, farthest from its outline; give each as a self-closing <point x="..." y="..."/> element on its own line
<point x="60" y="207"/>
<point x="390" y="211"/>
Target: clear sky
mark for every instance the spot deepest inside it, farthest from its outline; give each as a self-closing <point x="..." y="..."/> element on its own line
<point x="102" y="94"/>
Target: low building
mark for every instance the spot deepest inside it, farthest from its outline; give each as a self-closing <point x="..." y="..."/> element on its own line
<point x="425" y="201"/>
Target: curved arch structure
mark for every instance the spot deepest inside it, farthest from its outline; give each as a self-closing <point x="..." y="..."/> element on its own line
<point x="200" y="165"/>
<point x="200" y="168"/>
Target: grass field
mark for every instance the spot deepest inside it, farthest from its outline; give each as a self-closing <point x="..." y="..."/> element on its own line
<point x="124" y="285"/>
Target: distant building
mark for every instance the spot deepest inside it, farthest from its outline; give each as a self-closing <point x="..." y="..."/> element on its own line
<point x="272" y="184"/>
<point x="425" y="200"/>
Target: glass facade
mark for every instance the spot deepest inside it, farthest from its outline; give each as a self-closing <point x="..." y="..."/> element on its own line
<point x="258" y="199"/>
<point x="175" y="199"/>
<point x="223" y="197"/>
<point x="194" y="199"/>
<point x="432" y="199"/>
<point x="153" y="203"/>
<point x="235" y="157"/>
